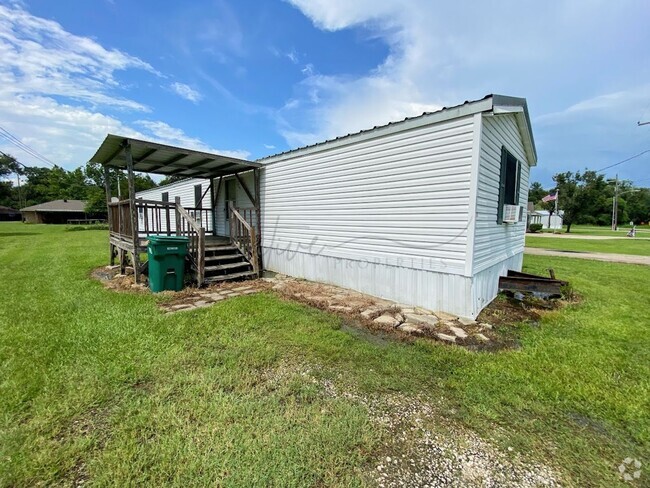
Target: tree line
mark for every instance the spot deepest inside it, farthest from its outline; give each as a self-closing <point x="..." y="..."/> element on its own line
<point x="39" y="185"/>
<point x="586" y="198"/>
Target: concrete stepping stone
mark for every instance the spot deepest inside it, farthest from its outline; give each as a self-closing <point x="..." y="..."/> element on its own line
<point x="458" y="332"/>
<point x="466" y="321"/>
<point x="386" y="320"/>
<point x="445" y="337"/>
<point x="426" y="320"/>
<point x="409" y="328"/>
<point x="340" y="308"/>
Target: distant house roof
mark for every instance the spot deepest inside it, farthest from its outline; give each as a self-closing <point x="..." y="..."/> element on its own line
<point x="546" y="213"/>
<point x="8" y="210"/>
<point x="57" y="206"/>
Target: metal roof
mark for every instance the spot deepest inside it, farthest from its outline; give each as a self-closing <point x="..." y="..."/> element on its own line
<point x="488" y="102"/>
<point x="57" y="206"/>
<point x="151" y="157"/>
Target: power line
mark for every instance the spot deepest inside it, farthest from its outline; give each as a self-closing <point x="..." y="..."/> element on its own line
<point x="624" y="161"/>
<point x="21" y="145"/>
<point x="29" y="150"/>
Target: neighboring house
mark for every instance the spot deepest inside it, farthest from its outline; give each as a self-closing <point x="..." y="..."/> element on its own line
<point x="54" y="212"/>
<point x="548" y="221"/>
<point x="428" y="211"/>
<point x="8" y="213"/>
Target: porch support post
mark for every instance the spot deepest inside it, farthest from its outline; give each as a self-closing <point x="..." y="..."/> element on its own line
<point x="107" y="187"/>
<point x="214" y="220"/>
<point x="215" y="202"/>
<point x="134" y="212"/>
<point x="258" y="217"/>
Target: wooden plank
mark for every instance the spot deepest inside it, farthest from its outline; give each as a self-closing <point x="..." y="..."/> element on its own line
<point x="201" y="257"/>
<point x="258" y="217"/>
<point x="134" y="213"/>
<point x="177" y="201"/>
<point x="107" y="188"/>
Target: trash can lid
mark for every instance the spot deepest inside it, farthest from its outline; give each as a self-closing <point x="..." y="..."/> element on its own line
<point x="162" y="239"/>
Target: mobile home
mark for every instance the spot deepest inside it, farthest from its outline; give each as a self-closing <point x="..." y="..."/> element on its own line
<point x="428" y="211"/>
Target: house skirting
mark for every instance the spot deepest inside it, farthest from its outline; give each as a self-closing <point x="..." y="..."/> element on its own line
<point x="456" y="294"/>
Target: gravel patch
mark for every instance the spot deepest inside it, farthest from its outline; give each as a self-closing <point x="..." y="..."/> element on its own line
<point x="423" y="448"/>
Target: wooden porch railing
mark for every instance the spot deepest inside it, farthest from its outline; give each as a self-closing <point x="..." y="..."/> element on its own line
<point x="244" y="237"/>
<point x="186" y="225"/>
<point x="161" y="218"/>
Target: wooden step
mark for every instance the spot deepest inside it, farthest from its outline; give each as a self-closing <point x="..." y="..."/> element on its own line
<point x="220" y="248"/>
<point x="222" y="267"/>
<point x="231" y="276"/>
<point x="224" y="257"/>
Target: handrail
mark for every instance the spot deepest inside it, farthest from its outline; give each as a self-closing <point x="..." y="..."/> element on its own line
<point x="243" y="236"/>
<point x="187" y="226"/>
<point x="155" y="217"/>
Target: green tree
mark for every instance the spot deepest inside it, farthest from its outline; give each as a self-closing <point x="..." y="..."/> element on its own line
<point x="536" y="193"/>
<point x="584" y="197"/>
<point x="171" y="179"/>
<point x="96" y="193"/>
<point x="637" y="204"/>
<point x="9" y="195"/>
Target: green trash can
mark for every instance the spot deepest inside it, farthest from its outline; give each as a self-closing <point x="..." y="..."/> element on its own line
<point x="166" y="262"/>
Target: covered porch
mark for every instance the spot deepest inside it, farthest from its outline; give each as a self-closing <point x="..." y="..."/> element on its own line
<point x="132" y="220"/>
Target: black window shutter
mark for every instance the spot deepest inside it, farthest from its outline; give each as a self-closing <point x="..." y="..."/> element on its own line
<point x="518" y="183"/>
<point x="165" y="196"/>
<point x="502" y="184"/>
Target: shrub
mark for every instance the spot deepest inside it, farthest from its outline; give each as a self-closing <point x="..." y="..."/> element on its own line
<point x="535" y="228"/>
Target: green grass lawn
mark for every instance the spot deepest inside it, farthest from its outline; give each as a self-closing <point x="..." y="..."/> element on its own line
<point x="103" y="387"/>
<point x="618" y="246"/>
<point x="593" y="230"/>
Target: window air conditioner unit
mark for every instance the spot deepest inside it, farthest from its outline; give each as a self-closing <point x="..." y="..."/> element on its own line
<point x="512" y="213"/>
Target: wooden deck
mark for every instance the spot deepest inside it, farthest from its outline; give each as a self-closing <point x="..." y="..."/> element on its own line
<point x="211" y="258"/>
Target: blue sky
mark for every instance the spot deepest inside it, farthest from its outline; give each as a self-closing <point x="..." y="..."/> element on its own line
<point x="255" y="78"/>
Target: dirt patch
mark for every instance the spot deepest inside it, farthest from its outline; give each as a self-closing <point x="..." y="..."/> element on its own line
<point x="111" y="278"/>
<point x="508" y="309"/>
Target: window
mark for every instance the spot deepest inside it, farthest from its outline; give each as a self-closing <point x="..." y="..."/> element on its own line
<point x="165" y="196"/>
<point x="509" y="182"/>
<point x="197" y="195"/>
<point x="231" y="195"/>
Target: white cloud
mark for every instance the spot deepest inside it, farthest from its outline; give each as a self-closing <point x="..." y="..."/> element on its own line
<point x="54" y="86"/>
<point x="39" y="56"/>
<point x="186" y="92"/>
<point x="65" y="134"/>
<point x="555" y="54"/>
<point x="166" y="134"/>
<point x="293" y="57"/>
<point x="269" y="146"/>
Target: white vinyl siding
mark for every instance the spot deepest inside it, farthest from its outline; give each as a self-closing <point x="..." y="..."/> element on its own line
<point x="183" y="189"/>
<point x="493" y="242"/>
<point x="401" y="199"/>
<point x="242" y="201"/>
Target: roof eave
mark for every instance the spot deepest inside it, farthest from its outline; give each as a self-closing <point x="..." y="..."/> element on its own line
<point x="519" y="107"/>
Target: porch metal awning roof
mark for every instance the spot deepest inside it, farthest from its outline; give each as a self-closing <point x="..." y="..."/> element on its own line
<point x="151" y="157"/>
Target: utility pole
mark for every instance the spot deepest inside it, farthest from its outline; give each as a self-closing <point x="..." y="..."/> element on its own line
<point x="20" y="194"/>
<point x="615" y="206"/>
